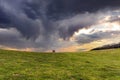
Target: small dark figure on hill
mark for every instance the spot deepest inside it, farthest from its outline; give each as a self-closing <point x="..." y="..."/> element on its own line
<point x="53" y="51"/>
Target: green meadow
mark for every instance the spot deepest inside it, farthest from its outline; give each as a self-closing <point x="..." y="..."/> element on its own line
<point x="91" y="65"/>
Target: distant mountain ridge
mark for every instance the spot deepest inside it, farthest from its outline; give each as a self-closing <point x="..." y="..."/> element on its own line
<point x="109" y="46"/>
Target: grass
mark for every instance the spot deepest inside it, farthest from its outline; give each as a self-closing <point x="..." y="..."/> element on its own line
<point x="93" y="65"/>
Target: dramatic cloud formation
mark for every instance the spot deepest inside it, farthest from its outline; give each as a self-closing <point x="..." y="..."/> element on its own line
<point x="43" y="25"/>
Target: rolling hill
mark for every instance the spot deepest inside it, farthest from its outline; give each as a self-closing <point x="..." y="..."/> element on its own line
<point x="109" y="46"/>
<point x="92" y="65"/>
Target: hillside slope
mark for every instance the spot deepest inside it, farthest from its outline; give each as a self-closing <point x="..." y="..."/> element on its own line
<point x="110" y="46"/>
<point x="93" y="65"/>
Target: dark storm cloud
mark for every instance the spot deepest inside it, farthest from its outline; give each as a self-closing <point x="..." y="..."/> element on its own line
<point x="29" y="17"/>
<point x="23" y="14"/>
<point x="87" y="38"/>
<point x="68" y="26"/>
<point x="12" y="38"/>
<point x="3" y="18"/>
<point x="45" y="21"/>
<point x="67" y="7"/>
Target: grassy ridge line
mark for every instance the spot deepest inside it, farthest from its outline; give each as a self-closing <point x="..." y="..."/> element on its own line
<point x="92" y="51"/>
<point x="92" y="65"/>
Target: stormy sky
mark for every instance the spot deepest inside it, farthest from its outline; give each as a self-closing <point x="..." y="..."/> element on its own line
<point x="63" y="25"/>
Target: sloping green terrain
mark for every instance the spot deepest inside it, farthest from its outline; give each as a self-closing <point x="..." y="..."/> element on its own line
<point x="93" y="65"/>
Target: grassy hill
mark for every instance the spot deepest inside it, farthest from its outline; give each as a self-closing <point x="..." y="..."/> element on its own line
<point x="93" y="65"/>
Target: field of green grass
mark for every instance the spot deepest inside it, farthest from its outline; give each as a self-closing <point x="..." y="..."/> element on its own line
<point x="92" y="65"/>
